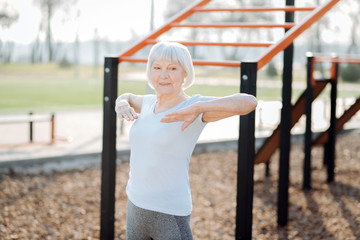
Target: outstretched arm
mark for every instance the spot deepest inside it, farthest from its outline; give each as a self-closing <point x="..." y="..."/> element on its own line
<point x="214" y="110"/>
<point x="128" y="105"/>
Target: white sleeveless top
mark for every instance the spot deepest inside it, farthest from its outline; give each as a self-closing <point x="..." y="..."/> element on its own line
<point x="160" y="157"/>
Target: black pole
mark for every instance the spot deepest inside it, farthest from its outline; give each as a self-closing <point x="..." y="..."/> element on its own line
<point x="267" y="169"/>
<point x="246" y="156"/>
<point x="308" y="131"/>
<point x="31" y="128"/>
<point x="285" y="128"/>
<point x="332" y="129"/>
<point x="108" y="163"/>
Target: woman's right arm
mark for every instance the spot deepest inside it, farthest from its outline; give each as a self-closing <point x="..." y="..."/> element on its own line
<point x="128" y="105"/>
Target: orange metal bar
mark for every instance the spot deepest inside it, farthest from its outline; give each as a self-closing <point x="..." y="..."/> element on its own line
<point x="52" y="128"/>
<point x="294" y="32"/>
<point x="130" y="59"/>
<point x="220" y="64"/>
<point x="195" y="62"/>
<point x="338" y="60"/>
<point x="178" y="18"/>
<point x="218" y="44"/>
<point x="333" y="71"/>
<point x="233" y="25"/>
<point x="255" y="9"/>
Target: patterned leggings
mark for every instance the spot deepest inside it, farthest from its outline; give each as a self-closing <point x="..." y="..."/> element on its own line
<point x="142" y="224"/>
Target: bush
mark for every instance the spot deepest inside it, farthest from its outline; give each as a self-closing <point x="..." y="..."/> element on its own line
<point x="64" y="63"/>
<point x="350" y="73"/>
<point x="271" y="70"/>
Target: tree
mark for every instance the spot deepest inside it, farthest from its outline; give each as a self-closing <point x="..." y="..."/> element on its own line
<point x="48" y="8"/>
<point x="8" y="16"/>
<point x="354" y="15"/>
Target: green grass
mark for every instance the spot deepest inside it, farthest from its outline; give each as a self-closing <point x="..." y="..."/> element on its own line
<point x="48" y="87"/>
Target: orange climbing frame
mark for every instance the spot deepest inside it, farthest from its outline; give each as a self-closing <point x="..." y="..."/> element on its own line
<point x="347" y="115"/>
<point x="273" y="49"/>
<point x="353" y="109"/>
<point x="272" y="143"/>
<point x="248" y="72"/>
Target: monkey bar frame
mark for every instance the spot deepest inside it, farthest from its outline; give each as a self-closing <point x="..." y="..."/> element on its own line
<point x="246" y="154"/>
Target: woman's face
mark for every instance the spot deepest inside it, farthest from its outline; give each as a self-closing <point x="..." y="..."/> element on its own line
<point x="167" y="77"/>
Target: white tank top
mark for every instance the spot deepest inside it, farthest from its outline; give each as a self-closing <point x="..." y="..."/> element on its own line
<point x="160" y="157"/>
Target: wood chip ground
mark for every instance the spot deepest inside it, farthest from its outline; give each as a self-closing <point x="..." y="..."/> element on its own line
<point x="67" y="205"/>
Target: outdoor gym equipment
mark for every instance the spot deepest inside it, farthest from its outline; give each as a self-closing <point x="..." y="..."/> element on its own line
<point x="248" y="77"/>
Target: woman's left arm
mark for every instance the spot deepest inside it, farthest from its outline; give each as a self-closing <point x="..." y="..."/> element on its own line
<point x="215" y="109"/>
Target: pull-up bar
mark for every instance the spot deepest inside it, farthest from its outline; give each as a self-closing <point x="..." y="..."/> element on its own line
<point x="233" y="25"/>
<point x="195" y="62"/>
<point x="222" y="44"/>
<point x="255" y="9"/>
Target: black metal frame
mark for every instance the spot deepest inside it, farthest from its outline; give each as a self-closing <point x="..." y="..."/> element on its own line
<point x="108" y="163"/>
<point x="308" y="130"/>
<point x="246" y="156"/>
<point x="330" y="145"/>
<point x="285" y="129"/>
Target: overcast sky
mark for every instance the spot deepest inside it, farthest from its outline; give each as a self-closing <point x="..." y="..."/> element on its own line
<point x="116" y="20"/>
<point x="113" y="19"/>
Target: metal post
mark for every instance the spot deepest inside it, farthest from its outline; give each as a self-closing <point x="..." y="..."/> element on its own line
<point x="108" y="164"/>
<point x="31" y="123"/>
<point x="308" y="131"/>
<point x="246" y="156"/>
<point x="52" y="121"/>
<point x="285" y="128"/>
<point x="267" y="169"/>
<point x="332" y="128"/>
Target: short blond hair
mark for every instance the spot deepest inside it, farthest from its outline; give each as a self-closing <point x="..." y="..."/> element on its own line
<point x="174" y="52"/>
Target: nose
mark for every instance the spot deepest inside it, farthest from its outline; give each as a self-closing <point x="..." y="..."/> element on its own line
<point x="164" y="74"/>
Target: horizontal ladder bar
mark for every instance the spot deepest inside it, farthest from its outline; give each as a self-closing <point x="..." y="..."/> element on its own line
<point x="176" y="19"/>
<point x="293" y="33"/>
<point x="338" y="60"/>
<point x="233" y="25"/>
<point x="195" y="62"/>
<point x="255" y="9"/>
<point x="223" y="44"/>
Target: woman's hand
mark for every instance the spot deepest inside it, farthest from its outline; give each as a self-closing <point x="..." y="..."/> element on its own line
<point x="125" y="111"/>
<point x="186" y="115"/>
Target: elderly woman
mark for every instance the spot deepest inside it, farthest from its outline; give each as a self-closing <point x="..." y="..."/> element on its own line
<point x="162" y="139"/>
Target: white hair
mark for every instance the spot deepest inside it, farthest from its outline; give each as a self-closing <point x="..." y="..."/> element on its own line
<point x="174" y="52"/>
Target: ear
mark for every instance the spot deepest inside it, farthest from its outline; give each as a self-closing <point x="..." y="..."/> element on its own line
<point x="185" y="74"/>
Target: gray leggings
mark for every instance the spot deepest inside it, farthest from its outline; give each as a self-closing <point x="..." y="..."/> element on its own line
<point x="142" y="224"/>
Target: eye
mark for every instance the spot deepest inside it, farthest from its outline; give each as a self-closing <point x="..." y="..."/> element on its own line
<point x="156" y="67"/>
<point x="173" y="68"/>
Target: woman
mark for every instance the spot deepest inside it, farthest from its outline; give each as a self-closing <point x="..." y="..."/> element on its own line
<point x="162" y="139"/>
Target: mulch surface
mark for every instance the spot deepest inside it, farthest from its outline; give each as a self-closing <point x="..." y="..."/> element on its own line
<point x="67" y="205"/>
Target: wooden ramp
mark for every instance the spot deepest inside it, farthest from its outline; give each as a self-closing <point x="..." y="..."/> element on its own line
<point x="348" y="114"/>
<point x="272" y="143"/>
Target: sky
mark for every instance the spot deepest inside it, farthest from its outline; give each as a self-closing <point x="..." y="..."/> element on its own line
<point x="113" y="19"/>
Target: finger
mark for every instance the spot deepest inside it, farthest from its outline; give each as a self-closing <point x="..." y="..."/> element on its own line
<point x="185" y="125"/>
<point x="173" y="114"/>
<point x="169" y="119"/>
<point x="126" y="116"/>
<point x="120" y="116"/>
<point x="133" y="114"/>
